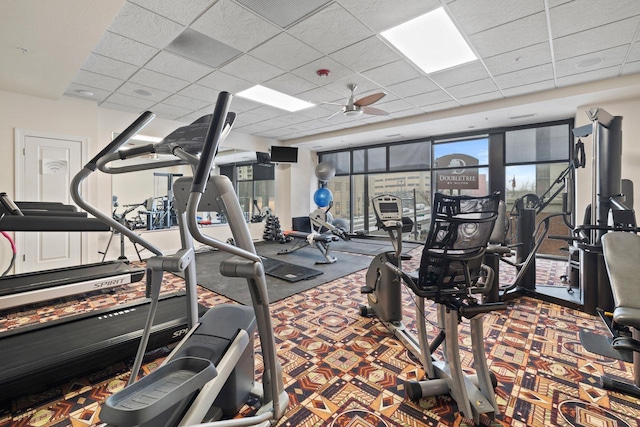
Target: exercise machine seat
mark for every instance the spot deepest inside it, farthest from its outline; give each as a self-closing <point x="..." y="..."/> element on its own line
<point x="621" y="252"/>
<point x="452" y="257"/>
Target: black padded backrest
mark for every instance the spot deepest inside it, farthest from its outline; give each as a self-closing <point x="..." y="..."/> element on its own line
<point x="301" y="223"/>
<point x="499" y="233"/>
<point x="460" y="230"/>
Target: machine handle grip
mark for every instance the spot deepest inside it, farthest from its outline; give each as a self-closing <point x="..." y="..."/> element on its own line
<point x="136" y="151"/>
<point x="126" y="135"/>
<point x="9" y="204"/>
<point x="211" y="141"/>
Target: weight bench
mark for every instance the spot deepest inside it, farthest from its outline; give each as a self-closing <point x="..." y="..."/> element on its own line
<point x="304" y="235"/>
<point x="621" y="251"/>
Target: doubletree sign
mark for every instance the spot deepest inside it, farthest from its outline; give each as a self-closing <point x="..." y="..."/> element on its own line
<point x="460" y="178"/>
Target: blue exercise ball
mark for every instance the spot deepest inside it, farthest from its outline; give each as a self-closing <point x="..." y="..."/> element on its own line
<point x="322" y="197"/>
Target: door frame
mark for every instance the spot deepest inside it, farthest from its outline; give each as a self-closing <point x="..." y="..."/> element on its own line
<point x="20" y="134"/>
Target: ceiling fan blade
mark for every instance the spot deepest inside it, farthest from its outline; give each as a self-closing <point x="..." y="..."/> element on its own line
<point x="370" y="99"/>
<point x="374" y="111"/>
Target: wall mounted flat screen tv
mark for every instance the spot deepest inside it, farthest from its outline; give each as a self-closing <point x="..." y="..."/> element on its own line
<point x="284" y="154"/>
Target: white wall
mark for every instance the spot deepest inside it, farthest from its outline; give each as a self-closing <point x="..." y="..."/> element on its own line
<point x="630" y="111"/>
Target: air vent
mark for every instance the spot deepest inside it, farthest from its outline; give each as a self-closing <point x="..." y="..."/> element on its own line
<point x="522" y="116"/>
<point x="283" y="12"/>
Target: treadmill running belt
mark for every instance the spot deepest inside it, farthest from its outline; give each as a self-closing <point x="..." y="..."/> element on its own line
<point x="50" y="354"/>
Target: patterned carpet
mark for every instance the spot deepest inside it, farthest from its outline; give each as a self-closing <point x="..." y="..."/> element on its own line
<point x="342" y="369"/>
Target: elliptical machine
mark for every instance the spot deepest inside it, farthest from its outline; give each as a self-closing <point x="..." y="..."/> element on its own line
<point x="210" y="374"/>
<point x="440" y="279"/>
<point x="383" y="285"/>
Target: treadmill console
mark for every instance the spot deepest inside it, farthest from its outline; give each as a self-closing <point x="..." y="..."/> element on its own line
<point x="387" y="208"/>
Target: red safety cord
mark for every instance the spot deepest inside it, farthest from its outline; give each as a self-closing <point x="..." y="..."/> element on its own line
<point x="13" y="249"/>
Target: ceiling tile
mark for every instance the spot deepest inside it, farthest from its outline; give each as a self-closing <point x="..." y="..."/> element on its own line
<point x="519" y="59"/>
<point x="253" y="128"/>
<point x="225" y="82"/>
<point x="108" y="67"/>
<point x="529" y="88"/>
<point x="580" y="15"/>
<point x="597" y="39"/>
<point x="331" y="29"/>
<point x="318" y="112"/>
<point x="130" y="101"/>
<point x="252" y="69"/>
<point x="119" y="107"/>
<point x="285" y="52"/>
<point x="248" y="118"/>
<point x="406" y="113"/>
<point x="601" y="74"/>
<point x="393" y="106"/>
<point x="477" y="87"/>
<point x="124" y="49"/>
<point x="98" y="94"/>
<point x="440" y="106"/>
<point x="200" y="92"/>
<point x="395" y="72"/>
<point x="235" y="26"/>
<point x="175" y="66"/>
<point x="364" y="86"/>
<point x="269" y="112"/>
<point x="592" y="61"/>
<point x="511" y="36"/>
<point x="634" y="52"/>
<point x="464" y="73"/>
<point x="98" y="81"/>
<point x="381" y="15"/>
<point x="474" y="16"/>
<point x="185" y="102"/>
<point x="170" y="111"/>
<point x="157" y="80"/>
<point x="192" y="117"/>
<point x="319" y="95"/>
<point x="526" y="76"/>
<point x="413" y="87"/>
<point x="175" y="10"/>
<point x="309" y="71"/>
<point x="631" y="68"/>
<point x="145" y="26"/>
<point x="359" y="57"/>
<point x="201" y="48"/>
<point x="484" y="97"/>
<point x="429" y="98"/>
<point x="155" y="94"/>
<point x="283" y="12"/>
<point x="290" y="84"/>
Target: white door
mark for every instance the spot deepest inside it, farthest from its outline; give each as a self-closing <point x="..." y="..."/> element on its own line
<point x="48" y="164"/>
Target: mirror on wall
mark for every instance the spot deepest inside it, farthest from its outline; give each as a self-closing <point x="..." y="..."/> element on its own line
<point x="142" y="200"/>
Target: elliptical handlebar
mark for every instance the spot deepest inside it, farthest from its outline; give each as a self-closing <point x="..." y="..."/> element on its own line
<point x="121" y="139"/>
<point x="211" y="141"/>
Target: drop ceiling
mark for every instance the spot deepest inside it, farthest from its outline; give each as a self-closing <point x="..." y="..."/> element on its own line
<point x="174" y="57"/>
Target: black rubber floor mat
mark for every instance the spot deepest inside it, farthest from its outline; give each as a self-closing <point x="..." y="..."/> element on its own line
<point x="289" y="272"/>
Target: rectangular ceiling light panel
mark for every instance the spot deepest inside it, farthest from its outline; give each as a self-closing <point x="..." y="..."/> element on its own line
<point x="274" y="98"/>
<point x="431" y="41"/>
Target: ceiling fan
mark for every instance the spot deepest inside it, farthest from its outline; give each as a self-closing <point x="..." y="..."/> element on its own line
<point x="355" y="107"/>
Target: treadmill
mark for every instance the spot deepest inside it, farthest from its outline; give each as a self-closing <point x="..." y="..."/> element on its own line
<point x="39" y="357"/>
<point x="27" y="288"/>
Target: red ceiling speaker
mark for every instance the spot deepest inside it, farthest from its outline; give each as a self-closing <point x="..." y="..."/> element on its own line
<point x="323" y="72"/>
